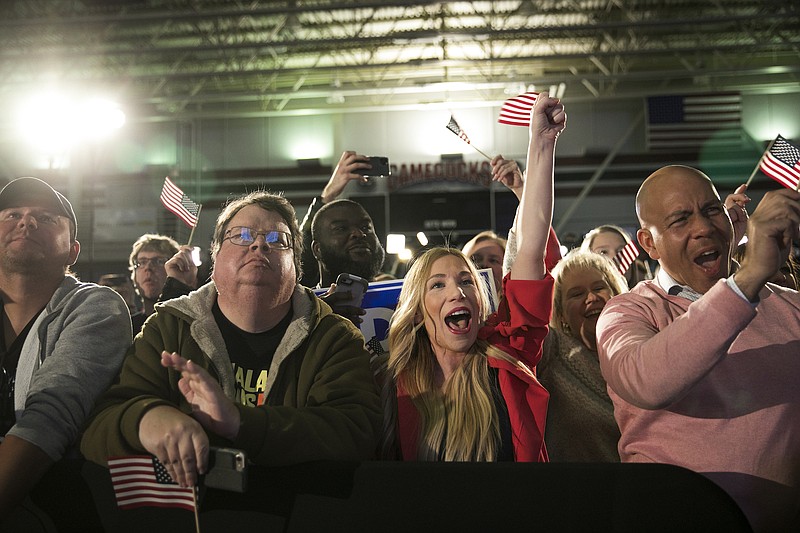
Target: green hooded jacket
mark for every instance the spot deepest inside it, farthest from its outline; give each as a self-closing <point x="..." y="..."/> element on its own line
<point x="321" y="399"/>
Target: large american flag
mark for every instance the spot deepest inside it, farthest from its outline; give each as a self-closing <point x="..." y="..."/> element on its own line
<point x="178" y="203"/>
<point x="142" y="481"/>
<point x="688" y="122"/>
<point x="517" y="111"/>
<point x="782" y="163"/>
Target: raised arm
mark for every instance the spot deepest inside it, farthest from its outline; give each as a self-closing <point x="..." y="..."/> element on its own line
<point x="347" y="169"/>
<point x="535" y="214"/>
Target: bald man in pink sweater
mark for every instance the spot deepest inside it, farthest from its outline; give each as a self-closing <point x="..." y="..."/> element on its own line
<point x="703" y="363"/>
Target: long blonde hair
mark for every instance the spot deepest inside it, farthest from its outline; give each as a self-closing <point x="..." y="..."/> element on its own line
<point x="459" y="423"/>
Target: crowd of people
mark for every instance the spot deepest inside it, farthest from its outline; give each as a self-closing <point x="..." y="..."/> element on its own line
<point x="691" y="364"/>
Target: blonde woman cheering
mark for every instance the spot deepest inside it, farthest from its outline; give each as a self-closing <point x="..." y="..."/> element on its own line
<point x="459" y="386"/>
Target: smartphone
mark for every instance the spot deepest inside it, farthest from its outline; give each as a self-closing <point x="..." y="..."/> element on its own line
<point x="356" y="285"/>
<point x="227" y="469"/>
<point x="380" y="167"/>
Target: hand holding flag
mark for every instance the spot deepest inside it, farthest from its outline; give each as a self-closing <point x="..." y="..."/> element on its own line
<point x="517" y="111"/>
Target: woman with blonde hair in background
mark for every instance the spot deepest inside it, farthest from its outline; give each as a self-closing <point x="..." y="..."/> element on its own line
<point x="458" y="385"/>
<point x="580" y="417"/>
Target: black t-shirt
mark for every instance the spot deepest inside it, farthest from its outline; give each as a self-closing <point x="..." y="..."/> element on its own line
<point x="251" y="355"/>
<point x="9" y="358"/>
<point x="506" y="450"/>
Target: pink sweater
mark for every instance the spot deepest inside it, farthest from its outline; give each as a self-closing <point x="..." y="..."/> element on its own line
<point x="712" y="386"/>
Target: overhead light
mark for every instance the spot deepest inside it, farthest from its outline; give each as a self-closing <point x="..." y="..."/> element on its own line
<point x="55" y="122"/>
<point x="422" y="238"/>
<point x="405" y="254"/>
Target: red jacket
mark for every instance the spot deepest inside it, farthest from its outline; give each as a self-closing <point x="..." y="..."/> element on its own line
<point x="518" y="328"/>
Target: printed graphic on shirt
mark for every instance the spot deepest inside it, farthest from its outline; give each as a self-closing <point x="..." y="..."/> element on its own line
<point x="250" y="385"/>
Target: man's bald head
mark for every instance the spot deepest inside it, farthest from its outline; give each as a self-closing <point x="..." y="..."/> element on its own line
<point x="653" y="189"/>
<point x="685" y="226"/>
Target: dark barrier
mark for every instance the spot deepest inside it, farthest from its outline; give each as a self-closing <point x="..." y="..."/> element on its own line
<point x="386" y="496"/>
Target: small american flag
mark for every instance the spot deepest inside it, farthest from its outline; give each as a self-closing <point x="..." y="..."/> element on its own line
<point x="782" y="163"/>
<point x="142" y="481"/>
<point x="517" y="111"/>
<point x="374" y="346"/>
<point x="625" y="257"/>
<point x="176" y="201"/>
<point x="455" y="128"/>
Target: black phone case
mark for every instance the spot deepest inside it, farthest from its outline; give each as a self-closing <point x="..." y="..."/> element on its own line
<point x="225" y="471"/>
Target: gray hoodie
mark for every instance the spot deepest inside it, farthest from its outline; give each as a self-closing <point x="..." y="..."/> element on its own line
<point x="72" y="353"/>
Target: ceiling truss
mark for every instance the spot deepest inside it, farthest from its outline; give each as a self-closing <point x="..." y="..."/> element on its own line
<point x="177" y="59"/>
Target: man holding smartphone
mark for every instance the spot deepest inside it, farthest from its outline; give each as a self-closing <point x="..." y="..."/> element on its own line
<point x="339" y="237"/>
<point x="352" y="166"/>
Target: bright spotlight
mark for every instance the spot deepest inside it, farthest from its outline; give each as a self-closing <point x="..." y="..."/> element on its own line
<point x="54" y="122"/>
<point x="395" y="243"/>
<point x="44" y="119"/>
<point x="97" y="118"/>
<point x="422" y="238"/>
<point x="405" y="254"/>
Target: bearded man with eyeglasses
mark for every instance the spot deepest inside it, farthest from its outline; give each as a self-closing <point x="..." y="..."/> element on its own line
<point x="261" y="364"/>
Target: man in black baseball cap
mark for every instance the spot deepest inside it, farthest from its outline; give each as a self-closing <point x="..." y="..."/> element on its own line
<point x="61" y="344"/>
<point x="35" y="192"/>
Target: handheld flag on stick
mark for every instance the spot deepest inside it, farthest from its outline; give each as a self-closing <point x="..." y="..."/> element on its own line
<point x="781" y="162"/>
<point x="176" y="202"/>
<point x="517" y="111"/>
<point x="625" y="257"/>
<point x="455" y="128"/>
<point x="142" y="481"/>
<point x="179" y="204"/>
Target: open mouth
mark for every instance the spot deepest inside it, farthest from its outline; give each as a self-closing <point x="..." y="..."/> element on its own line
<point x="592" y="312"/>
<point x="708" y="261"/>
<point x="458" y="321"/>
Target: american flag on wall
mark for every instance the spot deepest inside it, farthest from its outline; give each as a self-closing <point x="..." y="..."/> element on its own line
<point x="688" y="122"/>
<point x="142" y="481"/>
<point x="781" y="162"/>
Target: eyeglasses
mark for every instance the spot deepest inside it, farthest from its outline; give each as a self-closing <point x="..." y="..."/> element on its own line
<point x="244" y="236"/>
<point x="153" y="262"/>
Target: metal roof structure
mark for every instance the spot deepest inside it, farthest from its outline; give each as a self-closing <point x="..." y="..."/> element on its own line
<point x="174" y="59"/>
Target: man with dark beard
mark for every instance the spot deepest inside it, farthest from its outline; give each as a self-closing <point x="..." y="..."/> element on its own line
<point x="351" y="167"/>
<point x="344" y="240"/>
